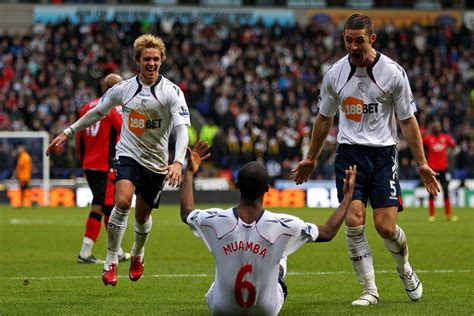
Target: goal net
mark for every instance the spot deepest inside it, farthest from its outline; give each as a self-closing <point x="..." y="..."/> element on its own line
<point x="36" y="144"/>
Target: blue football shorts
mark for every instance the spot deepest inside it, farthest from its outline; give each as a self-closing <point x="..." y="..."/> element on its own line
<point x="377" y="174"/>
<point x="147" y="183"/>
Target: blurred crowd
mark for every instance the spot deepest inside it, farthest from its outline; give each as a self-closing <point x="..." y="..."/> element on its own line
<point x="255" y="87"/>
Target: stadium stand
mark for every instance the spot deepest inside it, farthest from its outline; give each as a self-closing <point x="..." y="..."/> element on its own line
<point x="258" y="83"/>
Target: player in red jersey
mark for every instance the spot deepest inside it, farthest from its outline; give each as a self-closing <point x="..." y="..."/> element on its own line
<point x="96" y="150"/>
<point x="437" y="144"/>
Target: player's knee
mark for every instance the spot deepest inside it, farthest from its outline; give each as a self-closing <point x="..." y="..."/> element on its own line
<point x="355" y="219"/>
<point x="385" y="231"/>
<point x="142" y="218"/>
<point x="123" y="203"/>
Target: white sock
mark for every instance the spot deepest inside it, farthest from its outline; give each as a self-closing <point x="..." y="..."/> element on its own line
<point x="116" y="229"/>
<point x="397" y="245"/>
<point x="361" y="257"/>
<point x="141" y="235"/>
<point x="86" y="249"/>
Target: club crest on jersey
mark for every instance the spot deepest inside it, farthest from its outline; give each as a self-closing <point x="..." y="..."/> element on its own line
<point x="183" y="111"/>
<point x="354" y="108"/>
<point x="308" y="230"/>
<point x="137" y="123"/>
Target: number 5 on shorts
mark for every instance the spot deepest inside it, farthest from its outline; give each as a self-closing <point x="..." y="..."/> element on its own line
<point x="241" y="285"/>
<point x="393" y="188"/>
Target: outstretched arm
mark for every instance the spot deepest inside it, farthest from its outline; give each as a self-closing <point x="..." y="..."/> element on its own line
<point x="411" y="131"/>
<point x="106" y="103"/>
<point x="87" y="120"/>
<point x="332" y="225"/>
<point x="321" y="128"/>
<point x="195" y="157"/>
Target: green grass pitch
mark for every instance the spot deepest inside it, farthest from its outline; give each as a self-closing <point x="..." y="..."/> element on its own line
<point x="39" y="274"/>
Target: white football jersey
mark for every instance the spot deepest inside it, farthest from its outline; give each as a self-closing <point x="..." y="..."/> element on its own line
<point x="247" y="258"/>
<point x="369" y="99"/>
<point x="149" y="115"/>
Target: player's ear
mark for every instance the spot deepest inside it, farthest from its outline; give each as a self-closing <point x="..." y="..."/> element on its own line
<point x="372" y="38"/>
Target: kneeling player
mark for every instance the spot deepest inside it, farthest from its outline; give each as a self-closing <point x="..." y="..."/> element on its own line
<point x="249" y="243"/>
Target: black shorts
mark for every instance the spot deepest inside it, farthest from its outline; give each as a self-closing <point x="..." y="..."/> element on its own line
<point x="102" y="186"/>
<point x="377" y="174"/>
<point x="147" y="183"/>
<point x="443" y="177"/>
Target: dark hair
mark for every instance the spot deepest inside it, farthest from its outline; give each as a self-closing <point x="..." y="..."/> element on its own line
<point x="252" y="180"/>
<point x="358" y="22"/>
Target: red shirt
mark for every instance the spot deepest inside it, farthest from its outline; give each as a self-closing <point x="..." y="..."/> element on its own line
<point x="95" y="145"/>
<point x="436" y="150"/>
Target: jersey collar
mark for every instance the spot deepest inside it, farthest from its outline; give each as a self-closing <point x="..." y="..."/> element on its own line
<point x="262" y="211"/>
<point x="369" y="68"/>
<point x="152" y="87"/>
<point x="376" y="59"/>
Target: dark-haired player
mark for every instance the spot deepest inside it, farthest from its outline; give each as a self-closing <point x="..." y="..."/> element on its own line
<point x="249" y="243"/>
<point x="372" y="93"/>
<point x="437" y="144"/>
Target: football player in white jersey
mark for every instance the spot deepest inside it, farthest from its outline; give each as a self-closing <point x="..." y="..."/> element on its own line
<point x="250" y="244"/>
<point x="152" y="108"/>
<point x="371" y="92"/>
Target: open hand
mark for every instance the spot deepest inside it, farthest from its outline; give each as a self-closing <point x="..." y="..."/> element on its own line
<point x="173" y="177"/>
<point x="303" y="170"/>
<point x="428" y="177"/>
<point x="197" y="155"/>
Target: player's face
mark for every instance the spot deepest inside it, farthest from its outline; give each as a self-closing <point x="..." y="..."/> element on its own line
<point x="150" y="63"/>
<point x="436" y="128"/>
<point x="359" y="46"/>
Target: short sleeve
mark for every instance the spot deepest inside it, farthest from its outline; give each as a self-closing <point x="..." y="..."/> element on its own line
<point x="403" y="100"/>
<point x="327" y="98"/>
<point x="308" y="233"/>
<point x="451" y="141"/>
<point x="178" y="107"/>
<point x="194" y="222"/>
<point x="424" y="140"/>
<point x="111" y="98"/>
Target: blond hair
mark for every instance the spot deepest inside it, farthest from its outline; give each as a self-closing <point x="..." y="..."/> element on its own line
<point x="148" y="41"/>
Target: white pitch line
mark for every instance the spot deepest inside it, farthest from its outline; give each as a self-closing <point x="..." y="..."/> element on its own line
<point x="204" y="275"/>
<point x="19" y="221"/>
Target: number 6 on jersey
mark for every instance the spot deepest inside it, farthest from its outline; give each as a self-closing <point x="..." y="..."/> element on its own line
<point x="241" y="285"/>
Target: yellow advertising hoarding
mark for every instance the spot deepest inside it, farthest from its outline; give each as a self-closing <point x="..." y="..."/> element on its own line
<point x="397" y="18"/>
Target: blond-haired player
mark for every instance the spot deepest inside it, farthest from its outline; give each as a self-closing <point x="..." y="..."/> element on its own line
<point x="152" y="108"/>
